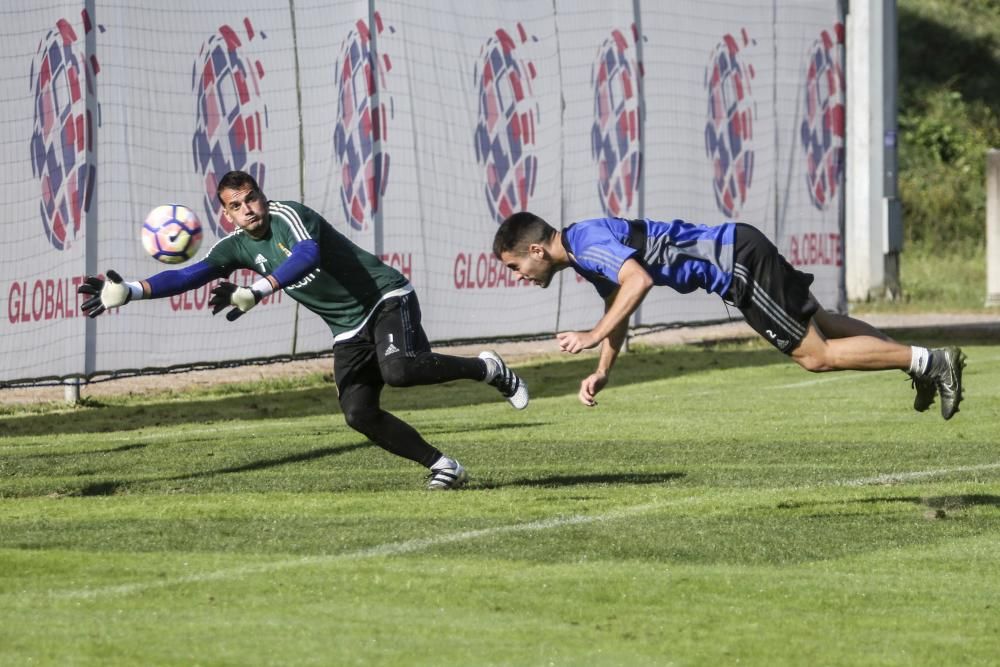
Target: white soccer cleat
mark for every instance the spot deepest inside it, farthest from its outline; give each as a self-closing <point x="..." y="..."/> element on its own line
<point x="507" y="382"/>
<point x="446" y="474"/>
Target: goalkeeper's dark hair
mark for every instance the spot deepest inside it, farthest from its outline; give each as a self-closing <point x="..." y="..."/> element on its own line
<point x="519" y="231"/>
<point x="235" y="180"/>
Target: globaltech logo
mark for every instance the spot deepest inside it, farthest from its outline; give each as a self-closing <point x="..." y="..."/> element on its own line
<point x="823" y="124"/>
<point x="64" y="137"/>
<point x="731" y="115"/>
<point x="505" y="136"/>
<point x="614" y="136"/>
<point x="361" y="131"/>
<point x="231" y="115"/>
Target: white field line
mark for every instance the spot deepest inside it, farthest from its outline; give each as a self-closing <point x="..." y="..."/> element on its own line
<point x="411" y="546"/>
<point x="388" y="549"/>
<point x="825" y="379"/>
<point x="900" y="477"/>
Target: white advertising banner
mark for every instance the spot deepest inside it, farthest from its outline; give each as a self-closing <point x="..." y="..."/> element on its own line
<point x="602" y="77"/>
<point x="414" y="127"/>
<point x="49" y="129"/>
<point x="810" y="94"/>
<point x="709" y="127"/>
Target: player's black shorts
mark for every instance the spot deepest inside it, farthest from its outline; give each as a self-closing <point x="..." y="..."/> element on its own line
<point x="773" y="296"/>
<point x="393" y="329"/>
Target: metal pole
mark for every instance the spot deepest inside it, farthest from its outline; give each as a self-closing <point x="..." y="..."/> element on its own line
<point x="842" y="299"/>
<point x="90" y="217"/>
<point x="378" y="131"/>
<point x="993" y="227"/>
<point x="641" y="107"/>
<point x="862" y="259"/>
<point x="302" y="149"/>
<point x="561" y="277"/>
<point x="641" y="111"/>
<point x="892" y="210"/>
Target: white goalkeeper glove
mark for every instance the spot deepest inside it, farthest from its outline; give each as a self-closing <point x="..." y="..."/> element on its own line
<point x="227" y="294"/>
<point x="104" y="293"/>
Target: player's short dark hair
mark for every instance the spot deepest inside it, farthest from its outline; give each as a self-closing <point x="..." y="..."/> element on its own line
<point x="520" y="230"/>
<point x="235" y="180"/>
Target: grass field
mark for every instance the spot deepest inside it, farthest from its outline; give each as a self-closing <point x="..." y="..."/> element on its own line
<point x="719" y="506"/>
<point x="932" y="281"/>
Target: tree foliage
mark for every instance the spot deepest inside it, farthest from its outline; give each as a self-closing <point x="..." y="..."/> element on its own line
<point x="948" y="117"/>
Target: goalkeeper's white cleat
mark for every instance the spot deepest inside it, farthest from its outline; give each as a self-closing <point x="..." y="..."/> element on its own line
<point x="447" y="474"/>
<point x="507" y="382"/>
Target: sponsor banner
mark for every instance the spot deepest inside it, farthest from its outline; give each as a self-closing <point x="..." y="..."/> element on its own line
<point x="414" y="129"/>
<point x="472" y="124"/>
<point x="601" y="169"/>
<point x="51" y="127"/>
<point x="810" y="50"/>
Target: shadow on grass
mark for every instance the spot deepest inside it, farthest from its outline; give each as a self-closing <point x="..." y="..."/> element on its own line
<point x="549" y="378"/>
<point x="546" y="379"/>
<point x="941" y="502"/>
<point x="113" y="487"/>
<point x="110" y="450"/>
<point x="107" y="488"/>
<point x="264" y="464"/>
<point x="949" y="503"/>
<point x="556" y="481"/>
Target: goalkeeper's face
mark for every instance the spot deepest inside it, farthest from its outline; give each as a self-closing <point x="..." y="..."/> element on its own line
<point x="534" y="265"/>
<point x="246" y="208"/>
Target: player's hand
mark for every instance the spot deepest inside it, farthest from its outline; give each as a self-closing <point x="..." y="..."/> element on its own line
<point x="104" y="293"/>
<point x="592" y="384"/>
<point x="226" y="294"/>
<point x="575" y="342"/>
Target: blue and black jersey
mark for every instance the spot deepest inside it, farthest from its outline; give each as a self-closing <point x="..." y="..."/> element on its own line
<point x="676" y="254"/>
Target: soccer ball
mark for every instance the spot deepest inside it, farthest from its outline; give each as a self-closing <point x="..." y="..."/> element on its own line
<point x="171" y="233"/>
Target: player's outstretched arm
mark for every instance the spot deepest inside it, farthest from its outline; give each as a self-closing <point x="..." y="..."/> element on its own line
<point x="597" y="380"/>
<point x="634" y="284"/>
<point x="108" y="292"/>
<point x="112" y="292"/>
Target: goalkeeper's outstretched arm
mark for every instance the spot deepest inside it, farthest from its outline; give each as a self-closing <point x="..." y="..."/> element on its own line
<point x="112" y="291"/>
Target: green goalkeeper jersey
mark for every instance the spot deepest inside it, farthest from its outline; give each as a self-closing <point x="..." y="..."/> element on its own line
<point x="346" y="286"/>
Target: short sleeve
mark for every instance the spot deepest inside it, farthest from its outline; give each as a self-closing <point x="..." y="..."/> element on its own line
<point x="598" y="251"/>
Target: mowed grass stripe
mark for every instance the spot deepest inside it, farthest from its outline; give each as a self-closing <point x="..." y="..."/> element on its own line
<point x="552" y="523"/>
<point x="713" y="509"/>
<point x="699" y="387"/>
<point x="381" y="550"/>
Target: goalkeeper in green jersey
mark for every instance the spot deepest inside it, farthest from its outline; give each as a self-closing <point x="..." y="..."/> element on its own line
<point x="370" y="308"/>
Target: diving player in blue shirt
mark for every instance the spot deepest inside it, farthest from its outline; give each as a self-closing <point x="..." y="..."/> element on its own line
<point x="624" y="259"/>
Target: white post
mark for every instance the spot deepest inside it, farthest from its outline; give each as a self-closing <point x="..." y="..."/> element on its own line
<point x="863" y="232"/>
<point x="71" y="391"/>
<point x="993" y="227"/>
<point x="873" y="226"/>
